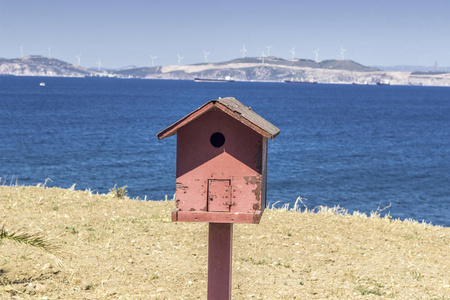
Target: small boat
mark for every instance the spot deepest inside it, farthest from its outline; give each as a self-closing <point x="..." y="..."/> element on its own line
<point x="227" y="79"/>
<point x="42" y="84"/>
<point x="383" y="82"/>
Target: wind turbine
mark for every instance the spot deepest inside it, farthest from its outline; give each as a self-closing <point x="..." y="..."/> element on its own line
<point x="243" y="51"/>
<point x="206" y="56"/>
<point x="79" y="58"/>
<point x="268" y="50"/>
<point x="49" y="52"/>
<point x="317" y="54"/>
<point x="262" y="57"/>
<point x="153" y="59"/>
<point x="179" y="59"/>
<point x="21" y="51"/>
<point x="99" y="64"/>
<point x="293" y="52"/>
<point x="342" y="52"/>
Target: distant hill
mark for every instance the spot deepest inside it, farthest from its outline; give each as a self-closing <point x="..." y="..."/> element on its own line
<point x="248" y="69"/>
<point x="347" y="65"/>
<point x="40" y="66"/>
<point x="137" y="72"/>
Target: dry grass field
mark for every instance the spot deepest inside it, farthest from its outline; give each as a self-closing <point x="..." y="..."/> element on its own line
<point x="112" y="248"/>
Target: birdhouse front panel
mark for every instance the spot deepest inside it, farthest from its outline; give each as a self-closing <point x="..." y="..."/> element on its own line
<point x="219" y="165"/>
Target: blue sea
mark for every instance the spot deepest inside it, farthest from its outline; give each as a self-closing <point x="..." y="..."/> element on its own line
<point x="359" y="147"/>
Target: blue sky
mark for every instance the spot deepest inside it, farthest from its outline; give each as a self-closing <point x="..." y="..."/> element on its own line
<point x="122" y="33"/>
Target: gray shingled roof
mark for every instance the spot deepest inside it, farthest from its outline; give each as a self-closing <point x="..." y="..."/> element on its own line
<point x="232" y="107"/>
<point x="246" y="112"/>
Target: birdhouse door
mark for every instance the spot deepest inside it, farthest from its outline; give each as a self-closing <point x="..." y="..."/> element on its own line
<point x="219" y="195"/>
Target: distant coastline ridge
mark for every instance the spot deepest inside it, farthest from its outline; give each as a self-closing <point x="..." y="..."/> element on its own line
<point x="272" y="69"/>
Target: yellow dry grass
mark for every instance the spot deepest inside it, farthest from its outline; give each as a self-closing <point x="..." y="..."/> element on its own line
<point x="126" y="249"/>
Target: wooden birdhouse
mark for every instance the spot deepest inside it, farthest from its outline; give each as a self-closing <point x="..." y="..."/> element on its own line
<point x="221" y="163"/>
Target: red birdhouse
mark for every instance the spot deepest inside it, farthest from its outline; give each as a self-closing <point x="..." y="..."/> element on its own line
<point x="221" y="163"/>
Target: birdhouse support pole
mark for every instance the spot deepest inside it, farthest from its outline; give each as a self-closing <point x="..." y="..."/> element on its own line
<point x="219" y="261"/>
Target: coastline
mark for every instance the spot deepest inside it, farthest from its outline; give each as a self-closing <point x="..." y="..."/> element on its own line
<point x="244" y="70"/>
<point x="114" y="248"/>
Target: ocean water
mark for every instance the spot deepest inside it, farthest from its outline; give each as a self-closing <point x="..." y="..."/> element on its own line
<point x="359" y="147"/>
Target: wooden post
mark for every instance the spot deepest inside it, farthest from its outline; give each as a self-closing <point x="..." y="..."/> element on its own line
<point x="219" y="261"/>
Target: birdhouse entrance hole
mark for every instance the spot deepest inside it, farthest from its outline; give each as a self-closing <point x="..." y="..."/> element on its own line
<point x="217" y="139"/>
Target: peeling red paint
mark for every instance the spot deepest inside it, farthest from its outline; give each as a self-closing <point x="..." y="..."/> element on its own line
<point x="256" y="181"/>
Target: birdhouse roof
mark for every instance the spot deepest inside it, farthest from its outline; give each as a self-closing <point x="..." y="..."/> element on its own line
<point x="231" y="107"/>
